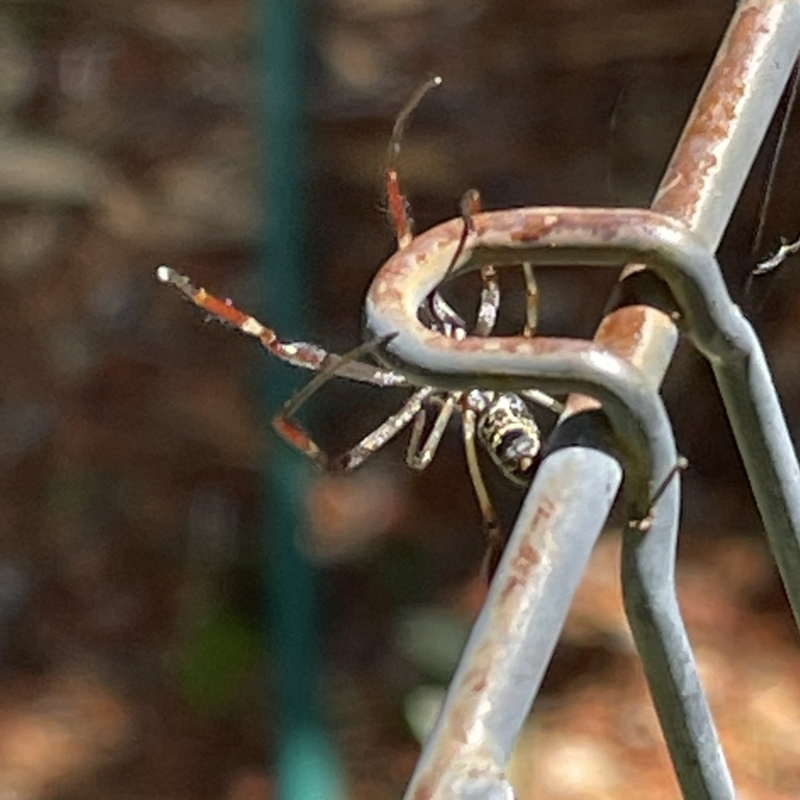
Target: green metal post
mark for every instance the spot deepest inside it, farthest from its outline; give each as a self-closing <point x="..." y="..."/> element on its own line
<point x="307" y="767"/>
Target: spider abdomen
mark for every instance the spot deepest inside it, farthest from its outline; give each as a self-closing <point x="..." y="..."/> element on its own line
<point x="510" y="434"/>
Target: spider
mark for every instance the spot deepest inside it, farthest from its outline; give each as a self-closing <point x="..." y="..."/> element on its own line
<point x="501" y="422"/>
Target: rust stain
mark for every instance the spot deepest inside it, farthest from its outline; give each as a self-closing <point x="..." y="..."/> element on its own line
<point x="529" y="233"/>
<point x="513" y="345"/>
<point x="543" y="512"/>
<point x="529" y="556"/>
<point x="526" y="559"/>
<point x="477" y="679"/>
<point x="695" y="159"/>
<point x="621" y="330"/>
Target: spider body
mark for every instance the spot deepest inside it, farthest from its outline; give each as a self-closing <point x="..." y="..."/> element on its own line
<point x="509" y="434"/>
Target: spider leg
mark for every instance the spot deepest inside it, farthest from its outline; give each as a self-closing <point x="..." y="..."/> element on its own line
<point x="295" y="435"/>
<point x="292" y="433"/>
<point x="543" y="400"/>
<point x="438" y="313"/>
<point x="531" y="300"/>
<point x="490" y="301"/>
<point x="298" y="354"/>
<point x="495" y="538"/>
<point x="398" y="205"/>
<point x="531" y="322"/>
<point x="490" y="291"/>
<point x="786" y="250"/>
<point x="419" y="457"/>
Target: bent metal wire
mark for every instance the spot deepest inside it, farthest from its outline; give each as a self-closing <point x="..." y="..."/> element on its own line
<point x="699" y="303"/>
<point x="504" y="660"/>
<point x="606" y="238"/>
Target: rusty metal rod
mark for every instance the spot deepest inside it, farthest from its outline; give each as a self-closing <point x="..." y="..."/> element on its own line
<point x="700" y="299"/>
<point x="489" y="699"/>
<point x="514" y="637"/>
<point x="712" y="160"/>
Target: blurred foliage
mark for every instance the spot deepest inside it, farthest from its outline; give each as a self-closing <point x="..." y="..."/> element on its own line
<point x="216" y="660"/>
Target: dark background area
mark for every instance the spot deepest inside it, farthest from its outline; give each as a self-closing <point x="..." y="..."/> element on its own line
<point x="131" y="434"/>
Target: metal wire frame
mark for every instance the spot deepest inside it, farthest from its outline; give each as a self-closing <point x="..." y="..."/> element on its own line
<point x="603" y="237"/>
<point x="501" y="669"/>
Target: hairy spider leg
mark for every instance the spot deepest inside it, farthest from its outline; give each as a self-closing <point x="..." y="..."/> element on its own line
<point x="490" y="286"/>
<point x="298" y="354"/>
<point x="494" y="535"/>
<point x="398" y="205"/>
<point x="419" y="457"/>
<point x="786" y="249"/>
<point x="772" y="175"/>
<point x="295" y="435"/>
<point x="400" y="215"/>
<point x="385" y="432"/>
<point x="413" y="410"/>
<point x="442" y="316"/>
<point x="646" y="523"/>
<point x="543" y="400"/>
<point x="438" y="313"/>
<point x="531" y="300"/>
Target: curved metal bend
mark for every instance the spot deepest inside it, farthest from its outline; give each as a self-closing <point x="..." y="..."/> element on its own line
<point x="605" y="237"/>
<point x="511" y="664"/>
<point x="552" y="365"/>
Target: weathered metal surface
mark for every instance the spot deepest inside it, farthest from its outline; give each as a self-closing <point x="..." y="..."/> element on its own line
<point x="496" y="680"/>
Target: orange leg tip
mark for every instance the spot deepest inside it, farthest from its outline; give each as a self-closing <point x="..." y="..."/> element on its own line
<point x="295" y="436"/>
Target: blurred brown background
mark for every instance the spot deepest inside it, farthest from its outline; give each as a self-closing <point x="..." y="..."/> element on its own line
<point x="131" y="434"/>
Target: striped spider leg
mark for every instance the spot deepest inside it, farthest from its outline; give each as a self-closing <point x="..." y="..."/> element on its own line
<point x="308" y="356"/>
<point x="786" y="250"/>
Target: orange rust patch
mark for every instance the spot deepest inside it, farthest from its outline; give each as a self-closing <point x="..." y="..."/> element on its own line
<point x="529" y="233"/>
<point x="529" y="553"/>
<point x="725" y="87"/>
<point x="621" y="330"/>
<point x="543" y="512"/>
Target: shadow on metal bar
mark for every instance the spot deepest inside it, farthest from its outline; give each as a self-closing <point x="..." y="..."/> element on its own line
<point x="502" y="667"/>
